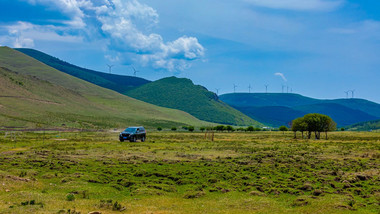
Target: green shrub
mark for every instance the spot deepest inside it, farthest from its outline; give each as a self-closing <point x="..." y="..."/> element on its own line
<point x="70" y="197"/>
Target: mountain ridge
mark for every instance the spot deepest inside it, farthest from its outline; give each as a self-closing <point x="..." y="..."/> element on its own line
<point x="266" y="107"/>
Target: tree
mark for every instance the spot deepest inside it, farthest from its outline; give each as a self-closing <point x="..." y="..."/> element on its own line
<point x="250" y="129"/>
<point x="191" y="128"/>
<point x="159" y="128"/>
<point x="174" y="128"/>
<point x="219" y="128"/>
<point x="230" y="128"/>
<point x="299" y="124"/>
<point x="316" y="123"/>
<point x="283" y="129"/>
<point x="342" y="129"/>
<point x="202" y="129"/>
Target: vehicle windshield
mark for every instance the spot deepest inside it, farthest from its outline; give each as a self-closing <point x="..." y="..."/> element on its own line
<point x="130" y="130"/>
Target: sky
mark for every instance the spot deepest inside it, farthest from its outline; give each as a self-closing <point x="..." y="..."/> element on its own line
<point x="317" y="48"/>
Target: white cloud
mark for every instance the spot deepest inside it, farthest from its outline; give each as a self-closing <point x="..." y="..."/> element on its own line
<point x="298" y="5"/>
<point x="119" y="23"/>
<point x="282" y="76"/>
<point x="127" y="26"/>
<point x="24" y="34"/>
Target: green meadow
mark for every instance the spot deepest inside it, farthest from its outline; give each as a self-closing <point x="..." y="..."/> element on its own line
<point x="183" y="172"/>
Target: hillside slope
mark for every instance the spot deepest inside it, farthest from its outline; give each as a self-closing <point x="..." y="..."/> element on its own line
<point x="365" y="126"/>
<point x="182" y="94"/>
<point x="33" y="93"/>
<point x="276" y="109"/>
<point x="118" y="83"/>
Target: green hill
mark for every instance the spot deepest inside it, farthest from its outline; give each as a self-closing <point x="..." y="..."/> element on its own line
<point x="182" y="94"/>
<point x="276" y="109"/>
<point x="32" y="94"/>
<point x="118" y="83"/>
<point x="365" y="126"/>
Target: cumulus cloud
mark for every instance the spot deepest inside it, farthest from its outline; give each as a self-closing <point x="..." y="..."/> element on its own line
<point x="298" y="5"/>
<point x="281" y="75"/>
<point x="24" y="34"/>
<point x="119" y="23"/>
<point x="127" y="28"/>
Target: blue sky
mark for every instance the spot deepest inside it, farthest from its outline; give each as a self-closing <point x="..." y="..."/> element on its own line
<point x="318" y="48"/>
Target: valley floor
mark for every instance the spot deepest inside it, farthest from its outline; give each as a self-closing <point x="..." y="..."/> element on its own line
<point x="177" y="172"/>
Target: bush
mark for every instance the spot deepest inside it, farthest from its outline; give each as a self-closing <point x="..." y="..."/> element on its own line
<point x="70" y="197"/>
<point x="342" y="129"/>
<point x="283" y="129"/>
<point x="159" y="129"/>
<point x="202" y="129"/>
<point x="191" y="128"/>
<point x="174" y="128"/>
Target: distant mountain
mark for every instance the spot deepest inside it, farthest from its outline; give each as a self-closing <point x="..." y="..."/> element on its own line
<point x="276" y="109"/>
<point x="33" y="94"/>
<point x="118" y="83"/>
<point x="342" y="115"/>
<point x="273" y="116"/>
<point x="266" y="99"/>
<point x="365" y="126"/>
<point x="182" y="94"/>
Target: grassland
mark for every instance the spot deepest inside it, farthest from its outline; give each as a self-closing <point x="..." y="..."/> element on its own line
<point x="177" y="172"/>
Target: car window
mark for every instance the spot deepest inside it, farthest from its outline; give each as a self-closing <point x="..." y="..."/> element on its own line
<point x="130" y="130"/>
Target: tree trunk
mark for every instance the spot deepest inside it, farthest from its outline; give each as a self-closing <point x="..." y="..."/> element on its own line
<point x="326" y="135"/>
<point x="295" y="135"/>
<point x="302" y="134"/>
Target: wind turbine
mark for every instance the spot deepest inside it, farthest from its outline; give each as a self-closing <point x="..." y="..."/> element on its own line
<point x="353" y="92"/>
<point x="266" y="88"/>
<point x="235" y="88"/>
<point x="110" y="68"/>
<point x="134" y="71"/>
<point x="249" y="88"/>
<point x="217" y="91"/>
<point x="346" y="94"/>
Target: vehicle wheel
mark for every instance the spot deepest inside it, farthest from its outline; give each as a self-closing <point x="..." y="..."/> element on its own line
<point x="143" y="139"/>
<point x="133" y="139"/>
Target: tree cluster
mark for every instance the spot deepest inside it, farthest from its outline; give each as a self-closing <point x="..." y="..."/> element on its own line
<point x="313" y="123"/>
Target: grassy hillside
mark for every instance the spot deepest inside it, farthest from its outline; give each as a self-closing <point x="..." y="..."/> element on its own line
<point x="33" y="94"/>
<point x="277" y="109"/>
<point x="181" y="93"/>
<point x="114" y="82"/>
<point x="365" y="126"/>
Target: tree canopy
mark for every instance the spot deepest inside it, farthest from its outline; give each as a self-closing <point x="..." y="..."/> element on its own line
<point x="314" y="122"/>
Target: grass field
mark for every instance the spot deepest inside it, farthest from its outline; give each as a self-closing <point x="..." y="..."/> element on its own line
<point x="178" y="172"/>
